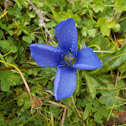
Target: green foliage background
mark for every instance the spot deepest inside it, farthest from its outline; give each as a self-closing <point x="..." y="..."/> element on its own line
<point x="101" y="25"/>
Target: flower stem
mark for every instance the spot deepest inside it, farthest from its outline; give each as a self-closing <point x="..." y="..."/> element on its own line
<point x="22" y="76"/>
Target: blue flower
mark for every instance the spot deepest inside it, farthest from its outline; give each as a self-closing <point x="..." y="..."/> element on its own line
<point x="66" y="57"/>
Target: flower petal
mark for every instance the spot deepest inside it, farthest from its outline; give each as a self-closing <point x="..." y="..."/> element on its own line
<point x="65" y="82"/>
<point x="45" y="55"/>
<point x="66" y="34"/>
<point x="87" y="60"/>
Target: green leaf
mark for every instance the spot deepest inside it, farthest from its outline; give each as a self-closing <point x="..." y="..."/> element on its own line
<point x="101" y="21"/>
<point x="10" y="26"/>
<point x="11" y="11"/>
<point x="13" y="49"/>
<point x="10" y="32"/>
<point x="25" y="96"/>
<point x="9" y="59"/>
<point x="118" y="61"/>
<point x="13" y="79"/>
<point x="26" y="31"/>
<point x="18" y="3"/>
<point x="122" y="68"/>
<point x="3" y="26"/>
<point x="92" y="32"/>
<point x="104" y="26"/>
<point x="51" y="24"/>
<point x="27" y="104"/>
<point x="52" y="32"/>
<point x="91" y="85"/>
<point x="4" y="74"/>
<point x="1" y="34"/>
<point x="84" y="31"/>
<point x="110" y="24"/>
<point x="38" y="3"/>
<point x="99" y="6"/>
<point x="95" y="103"/>
<point x="97" y="117"/>
<point x="27" y="39"/>
<point x="4" y="44"/>
<point x="102" y="81"/>
<point x="87" y="110"/>
<point x="108" y="96"/>
<point x="105" y="30"/>
<point x="120" y="6"/>
<point x="20" y="102"/>
<point x="77" y="6"/>
<point x="108" y="100"/>
<point x="119" y="58"/>
<point x="31" y="14"/>
<point x="19" y="90"/>
<point x="40" y="41"/>
<point x="18" y="12"/>
<point x="32" y="36"/>
<point x="102" y="43"/>
<point x="116" y="27"/>
<point x="103" y="111"/>
<point x="5" y="85"/>
<point x="123" y="26"/>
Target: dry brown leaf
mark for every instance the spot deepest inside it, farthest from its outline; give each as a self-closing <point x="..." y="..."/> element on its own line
<point x="122" y="118"/>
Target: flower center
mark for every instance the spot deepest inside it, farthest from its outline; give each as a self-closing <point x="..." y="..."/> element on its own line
<point x="69" y="59"/>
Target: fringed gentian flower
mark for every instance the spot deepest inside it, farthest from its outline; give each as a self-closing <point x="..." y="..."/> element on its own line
<point x="66" y="57"/>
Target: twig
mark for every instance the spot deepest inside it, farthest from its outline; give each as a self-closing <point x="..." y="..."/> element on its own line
<point x="102" y="51"/>
<point x="42" y="20"/>
<point x="77" y="111"/>
<point x="3" y="14"/>
<point x="120" y="98"/>
<point x="64" y="114"/>
<point x="116" y="105"/>
<point x="110" y="88"/>
<point x="57" y="104"/>
<point x="106" y="88"/>
<point x="52" y="119"/>
<point x="123" y="77"/>
<point x="46" y="89"/>
<point x="117" y="76"/>
<point x="26" y="67"/>
<point x="22" y="76"/>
